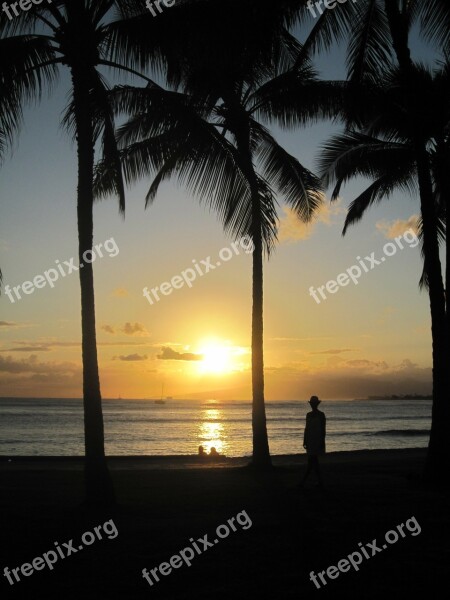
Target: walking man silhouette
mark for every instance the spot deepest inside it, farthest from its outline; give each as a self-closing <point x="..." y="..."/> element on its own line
<point x="314" y="439"/>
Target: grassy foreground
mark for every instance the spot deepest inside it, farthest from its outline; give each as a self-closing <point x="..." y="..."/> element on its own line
<point x="164" y="502"/>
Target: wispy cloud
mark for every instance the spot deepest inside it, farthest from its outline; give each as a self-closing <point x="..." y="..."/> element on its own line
<point x="334" y="351"/>
<point x="134" y="329"/>
<point x="108" y="328"/>
<point x="393" y="229"/>
<point x="131" y="357"/>
<point x="367" y="365"/>
<point x="28" y="349"/>
<point x="292" y="230"/>
<point x="296" y="339"/>
<point x="32" y="365"/>
<point x="170" y="354"/>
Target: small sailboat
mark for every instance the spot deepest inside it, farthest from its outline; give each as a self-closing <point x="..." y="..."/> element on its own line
<point x="161" y="401"/>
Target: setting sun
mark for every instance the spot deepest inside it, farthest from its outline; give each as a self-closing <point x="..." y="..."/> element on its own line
<point x="216" y="358"/>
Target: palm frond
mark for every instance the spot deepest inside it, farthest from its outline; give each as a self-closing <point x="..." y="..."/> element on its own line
<point x="354" y="154"/>
<point x="299" y="187"/>
<point x="297" y="98"/>
<point x="435" y="22"/>
<point x="379" y="190"/>
<point x="26" y="65"/>
<point x="370" y="48"/>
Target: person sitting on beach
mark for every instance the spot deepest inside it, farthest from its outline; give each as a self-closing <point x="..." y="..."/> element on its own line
<point x="213" y="452"/>
<point x="314" y="439"/>
<point x="201" y="451"/>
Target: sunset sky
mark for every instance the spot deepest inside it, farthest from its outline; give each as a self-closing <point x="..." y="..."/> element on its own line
<point x="372" y="338"/>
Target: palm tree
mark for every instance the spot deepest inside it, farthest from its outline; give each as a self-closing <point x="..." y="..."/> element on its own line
<point x="381" y="36"/>
<point x="435" y="24"/>
<point x="216" y="143"/>
<point x="397" y="147"/>
<point x="82" y="35"/>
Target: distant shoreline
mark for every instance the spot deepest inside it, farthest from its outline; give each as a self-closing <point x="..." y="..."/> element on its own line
<point x="395" y="397"/>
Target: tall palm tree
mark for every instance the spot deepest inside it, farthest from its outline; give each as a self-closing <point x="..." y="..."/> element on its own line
<point x="397" y="147"/>
<point x="435" y="26"/>
<point x="381" y="32"/>
<point x="216" y="142"/>
<point x="83" y="36"/>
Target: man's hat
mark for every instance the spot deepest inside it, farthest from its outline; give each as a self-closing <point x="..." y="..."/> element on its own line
<point x="314" y="401"/>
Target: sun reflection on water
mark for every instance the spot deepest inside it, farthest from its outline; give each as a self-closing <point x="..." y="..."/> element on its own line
<point x="212" y="432"/>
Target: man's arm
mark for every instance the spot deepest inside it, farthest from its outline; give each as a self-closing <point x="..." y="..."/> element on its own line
<point x="304" y="432"/>
<point x="324" y="429"/>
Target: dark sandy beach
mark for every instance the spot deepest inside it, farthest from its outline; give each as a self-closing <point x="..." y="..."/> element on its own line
<point x="165" y="501"/>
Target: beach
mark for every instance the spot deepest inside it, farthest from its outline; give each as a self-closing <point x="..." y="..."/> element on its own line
<point x="165" y="501"/>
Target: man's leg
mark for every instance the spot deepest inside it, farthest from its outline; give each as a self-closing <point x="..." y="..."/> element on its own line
<point x="308" y="471"/>
<point x="316" y="467"/>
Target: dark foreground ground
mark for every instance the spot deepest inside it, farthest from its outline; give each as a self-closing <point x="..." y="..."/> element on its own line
<point x="164" y="502"/>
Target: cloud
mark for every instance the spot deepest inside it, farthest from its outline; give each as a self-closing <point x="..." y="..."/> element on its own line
<point x="33" y="348"/>
<point x="108" y="328"/>
<point x="7" y="324"/>
<point x="393" y="229"/>
<point x="134" y="329"/>
<point x="30" y="377"/>
<point x="334" y="351"/>
<point x="169" y="354"/>
<point x="137" y="329"/>
<point x="32" y="365"/>
<point x="296" y="339"/>
<point x="50" y="344"/>
<point x="131" y="357"/>
<point x="120" y="293"/>
<point x="407" y="365"/>
<point x="292" y="230"/>
<point x="368" y="365"/>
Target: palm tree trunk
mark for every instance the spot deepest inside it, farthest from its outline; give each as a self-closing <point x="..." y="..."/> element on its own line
<point x="438" y="456"/>
<point x="99" y="488"/>
<point x="261" y="453"/>
<point x="399" y="28"/>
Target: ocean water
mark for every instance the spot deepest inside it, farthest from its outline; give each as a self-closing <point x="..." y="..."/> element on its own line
<point x="54" y="427"/>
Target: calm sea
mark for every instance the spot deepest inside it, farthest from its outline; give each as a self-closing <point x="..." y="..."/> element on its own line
<point x="137" y="427"/>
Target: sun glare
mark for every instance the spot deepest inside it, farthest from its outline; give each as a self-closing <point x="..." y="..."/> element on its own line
<point x="216" y="358"/>
<point x="220" y="357"/>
